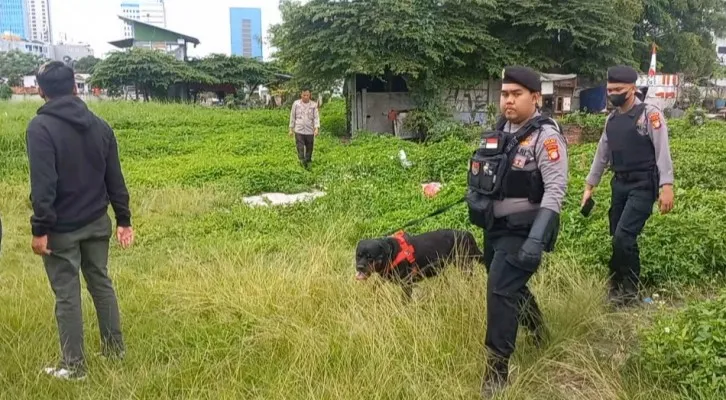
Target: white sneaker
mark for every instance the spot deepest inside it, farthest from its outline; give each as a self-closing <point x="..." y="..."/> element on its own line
<point x="65" y="374"/>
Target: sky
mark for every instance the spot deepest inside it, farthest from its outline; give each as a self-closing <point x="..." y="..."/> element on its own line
<point x="206" y="20"/>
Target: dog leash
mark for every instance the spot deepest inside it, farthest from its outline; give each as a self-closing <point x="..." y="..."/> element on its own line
<point x="433" y="214"/>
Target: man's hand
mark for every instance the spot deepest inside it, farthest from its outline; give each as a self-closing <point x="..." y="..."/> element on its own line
<point x="317" y="132"/>
<point x="40" y="245"/>
<point x="586" y="195"/>
<point x="125" y="236"/>
<point x="530" y="255"/>
<point x="291" y="133"/>
<point x="666" y="199"/>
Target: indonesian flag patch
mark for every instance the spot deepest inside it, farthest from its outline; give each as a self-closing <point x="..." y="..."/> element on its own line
<point x="491" y="143"/>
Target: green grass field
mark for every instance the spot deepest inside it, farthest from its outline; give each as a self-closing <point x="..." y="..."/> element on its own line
<point x="220" y="300"/>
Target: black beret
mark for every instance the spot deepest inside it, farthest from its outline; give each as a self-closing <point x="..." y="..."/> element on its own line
<point x="622" y="74"/>
<point x="524" y="76"/>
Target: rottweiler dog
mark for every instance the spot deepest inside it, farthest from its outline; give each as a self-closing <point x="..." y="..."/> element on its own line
<point x="408" y="259"/>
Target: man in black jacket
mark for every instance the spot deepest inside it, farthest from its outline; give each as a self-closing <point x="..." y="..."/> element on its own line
<point x="74" y="172"/>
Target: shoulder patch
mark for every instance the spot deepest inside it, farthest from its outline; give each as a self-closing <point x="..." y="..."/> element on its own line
<point x="552" y="148"/>
<point x="654" y="117"/>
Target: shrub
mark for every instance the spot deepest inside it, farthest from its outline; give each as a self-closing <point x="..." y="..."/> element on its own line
<point x="332" y="118"/>
<point x="686" y="351"/>
<point x="6" y="93"/>
<point x="592" y="124"/>
<point x="695" y="116"/>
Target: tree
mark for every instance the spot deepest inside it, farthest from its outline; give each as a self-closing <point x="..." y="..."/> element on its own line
<point x="425" y="41"/>
<point x="432" y="43"/>
<point x="15" y="64"/>
<point x="151" y="72"/>
<point x="683" y="32"/>
<point x="86" y="64"/>
<point x="240" y="72"/>
<point x="569" y="36"/>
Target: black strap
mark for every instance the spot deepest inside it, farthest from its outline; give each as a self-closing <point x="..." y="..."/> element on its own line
<point x="433" y="214"/>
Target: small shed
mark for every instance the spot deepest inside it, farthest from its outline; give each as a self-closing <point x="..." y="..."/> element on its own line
<point x="382" y="104"/>
<point x="558" y="92"/>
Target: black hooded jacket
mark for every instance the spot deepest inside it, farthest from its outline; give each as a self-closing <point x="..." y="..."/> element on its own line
<point x="74" y="168"/>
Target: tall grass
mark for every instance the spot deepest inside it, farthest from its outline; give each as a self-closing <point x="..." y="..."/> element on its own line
<point x="222" y="301"/>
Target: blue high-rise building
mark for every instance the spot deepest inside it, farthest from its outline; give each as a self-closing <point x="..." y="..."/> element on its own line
<point x="246" y="32"/>
<point x="13" y="18"/>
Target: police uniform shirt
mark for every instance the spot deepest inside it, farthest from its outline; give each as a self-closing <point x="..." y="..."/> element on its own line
<point x="545" y="149"/>
<point x="652" y="123"/>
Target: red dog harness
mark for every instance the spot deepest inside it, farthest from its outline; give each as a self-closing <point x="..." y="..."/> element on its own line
<point x="407" y="253"/>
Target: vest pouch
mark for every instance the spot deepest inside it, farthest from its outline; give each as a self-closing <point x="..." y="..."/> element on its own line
<point x="481" y="210"/>
<point x="486" y="173"/>
<point x="536" y="187"/>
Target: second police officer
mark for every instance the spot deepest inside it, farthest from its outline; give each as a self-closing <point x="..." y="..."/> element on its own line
<point x="635" y="145"/>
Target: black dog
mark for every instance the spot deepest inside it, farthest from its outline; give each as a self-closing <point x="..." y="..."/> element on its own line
<point x="406" y="259"/>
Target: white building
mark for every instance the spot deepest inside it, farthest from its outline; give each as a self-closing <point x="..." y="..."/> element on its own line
<point x="10" y="42"/>
<point x="39" y="27"/>
<point x="148" y="11"/>
<point x="68" y="51"/>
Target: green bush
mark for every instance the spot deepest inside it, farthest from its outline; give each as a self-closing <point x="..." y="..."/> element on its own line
<point x="6" y="93"/>
<point x="332" y="118"/>
<point x="592" y="124"/>
<point x="686" y="351"/>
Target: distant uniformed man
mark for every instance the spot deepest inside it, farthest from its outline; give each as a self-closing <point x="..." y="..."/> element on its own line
<point x="635" y="145"/>
<point x="517" y="183"/>
<point x="305" y="126"/>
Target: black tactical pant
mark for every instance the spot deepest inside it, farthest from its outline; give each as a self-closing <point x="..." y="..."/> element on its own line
<point x="304" y="147"/>
<point x="84" y="250"/>
<point x="509" y="300"/>
<point x="633" y="196"/>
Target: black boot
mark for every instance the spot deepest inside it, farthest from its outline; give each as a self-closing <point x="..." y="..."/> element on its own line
<point x="630" y="293"/>
<point x="615" y="294"/>
<point x="496" y="378"/>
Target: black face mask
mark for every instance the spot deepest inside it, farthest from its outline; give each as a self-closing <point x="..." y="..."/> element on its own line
<point x="618" y="99"/>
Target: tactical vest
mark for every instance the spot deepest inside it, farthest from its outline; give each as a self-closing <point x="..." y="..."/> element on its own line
<point x="490" y="167"/>
<point x="629" y="150"/>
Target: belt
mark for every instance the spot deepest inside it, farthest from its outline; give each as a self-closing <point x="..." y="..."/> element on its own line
<point x="634" y="176"/>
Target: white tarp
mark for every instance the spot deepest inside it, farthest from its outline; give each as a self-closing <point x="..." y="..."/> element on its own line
<point x="277" y="199"/>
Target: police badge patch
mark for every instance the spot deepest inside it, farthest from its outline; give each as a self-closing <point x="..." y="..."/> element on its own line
<point x="519" y="161"/>
<point x="552" y="148"/>
<point x="654" y="119"/>
<point x="475" y="168"/>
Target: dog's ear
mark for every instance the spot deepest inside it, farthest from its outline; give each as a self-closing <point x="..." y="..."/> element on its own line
<point x="387" y="247"/>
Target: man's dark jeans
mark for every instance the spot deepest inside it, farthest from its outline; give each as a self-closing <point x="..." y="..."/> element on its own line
<point x="304" y="148"/>
<point x="84" y="250"/>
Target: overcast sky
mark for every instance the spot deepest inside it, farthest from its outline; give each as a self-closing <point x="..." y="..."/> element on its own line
<point x="206" y="20"/>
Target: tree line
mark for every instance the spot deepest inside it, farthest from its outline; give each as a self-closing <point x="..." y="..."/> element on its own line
<point x="432" y="41"/>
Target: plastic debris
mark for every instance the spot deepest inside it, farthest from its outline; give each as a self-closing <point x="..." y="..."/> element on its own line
<point x="276" y="199"/>
<point x="404" y="160"/>
<point x="431" y="189"/>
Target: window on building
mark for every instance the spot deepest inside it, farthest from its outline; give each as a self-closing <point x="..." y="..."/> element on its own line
<point x="721" y="49"/>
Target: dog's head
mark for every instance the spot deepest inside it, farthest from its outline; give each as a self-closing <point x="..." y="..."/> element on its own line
<point x="371" y="255"/>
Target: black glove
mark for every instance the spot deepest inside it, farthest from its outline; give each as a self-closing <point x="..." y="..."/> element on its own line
<point x="530" y="255"/>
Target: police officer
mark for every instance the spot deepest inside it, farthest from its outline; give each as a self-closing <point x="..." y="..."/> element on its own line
<point x="635" y="144"/>
<point x="519" y="212"/>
